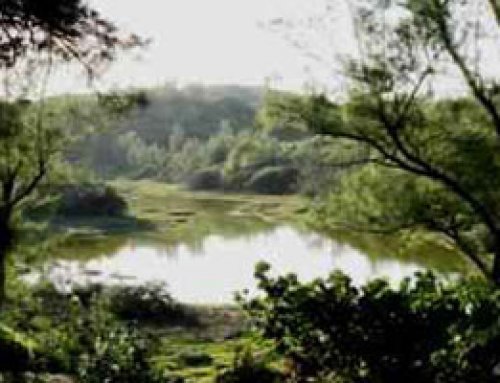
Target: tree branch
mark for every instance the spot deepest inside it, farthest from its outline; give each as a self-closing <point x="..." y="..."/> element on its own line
<point x="454" y="235"/>
<point x="475" y="84"/>
<point x="495" y="7"/>
<point x="31" y="186"/>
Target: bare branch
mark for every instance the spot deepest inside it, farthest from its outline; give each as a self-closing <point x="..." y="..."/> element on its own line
<point x="495" y="7"/>
<point x="474" y="82"/>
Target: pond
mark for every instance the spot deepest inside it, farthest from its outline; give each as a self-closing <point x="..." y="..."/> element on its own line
<point x="212" y="272"/>
<point x="215" y="254"/>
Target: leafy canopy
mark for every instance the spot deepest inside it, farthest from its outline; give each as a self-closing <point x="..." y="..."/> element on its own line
<point x="69" y="29"/>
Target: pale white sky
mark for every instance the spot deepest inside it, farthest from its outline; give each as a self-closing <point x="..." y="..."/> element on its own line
<point x="218" y="41"/>
<point x="234" y="42"/>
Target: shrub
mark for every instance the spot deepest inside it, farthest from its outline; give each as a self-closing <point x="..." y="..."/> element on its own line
<point x="76" y="335"/>
<point x="207" y="179"/>
<point x="78" y="200"/>
<point x="91" y="344"/>
<point x="16" y="353"/>
<point x="425" y="331"/>
<point x="148" y="303"/>
<point x="248" y="368"/>
<point x="120" y="355"/>
<point x="195" y="359"/>
<point x="82" y="338"/>
<point x="274" y="180"/>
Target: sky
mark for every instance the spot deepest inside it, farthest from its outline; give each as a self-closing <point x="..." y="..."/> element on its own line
<point x="220" y="42"/>
<point x="236" y="42"/>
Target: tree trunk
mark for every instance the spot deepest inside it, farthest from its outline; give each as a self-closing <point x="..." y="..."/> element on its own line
<point x="3" y="277"/>
<point x="6" y="240"/>
<point x="495" y="274"/>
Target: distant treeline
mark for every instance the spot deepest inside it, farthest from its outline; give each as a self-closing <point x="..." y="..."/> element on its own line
<point x="207" y="137"/>
<point x="231" y="138"/>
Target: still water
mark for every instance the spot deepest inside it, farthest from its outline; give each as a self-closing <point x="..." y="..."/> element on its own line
<point x="217" y="266"/>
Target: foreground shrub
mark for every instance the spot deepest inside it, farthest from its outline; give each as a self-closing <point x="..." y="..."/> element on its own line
<point x="16" y="352"/>
<point x="425" y="331"/>
<point x="78" y="335"/>
<point x="91" y="344"/>
<point x="121" y="355"/>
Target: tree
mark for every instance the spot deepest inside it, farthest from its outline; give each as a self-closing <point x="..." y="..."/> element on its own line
<point x="432" y="163"/>
<point x="425" y="330"/>
<point x="30" y="139"/>
<point x="29" y="145"/>
<point x="69" y="29"/>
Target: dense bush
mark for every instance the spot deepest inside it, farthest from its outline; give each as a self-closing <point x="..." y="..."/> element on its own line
<point x="15" y="353"/>
<point x="78" y="335"/>
<point x="274" y="180"/>
<point x="249" y="368"/>
<point x="91" y="199"/>
<point x="425" y="331"/>
<point x="195" y="359"/>
<point x="120" y="355"/>
<point x="207" y="179"/>
<point x="149" y="303"/>
<point x="88" y="342"/>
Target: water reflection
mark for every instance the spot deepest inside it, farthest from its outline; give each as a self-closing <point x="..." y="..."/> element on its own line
<point x="219" y="265"/>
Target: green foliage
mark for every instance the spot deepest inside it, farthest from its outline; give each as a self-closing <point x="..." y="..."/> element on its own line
<point x="444" y="187"/>
<point x="281" y="126"/>
<point x="148" y="304"/>
<point x="195" y="137"/>
<point x="90" y="199"/>
<point x="120" y="355"/>
<point x="251" y="154"/>
<point x="16" y="352"/>
<point x="68" y="29"/>
<point x="30" y="140"/>
<point x="274" y="180"/>
<point x="170" y="133"/>
<point x="249" y="368"/>
<point x="313" y="159"/>
<point x="80" y="335"/>
<point x="443" y="153"/>
<point x="195" y="359"/>
<point x="208" y="179"/>
<point x="425" y="331"/>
